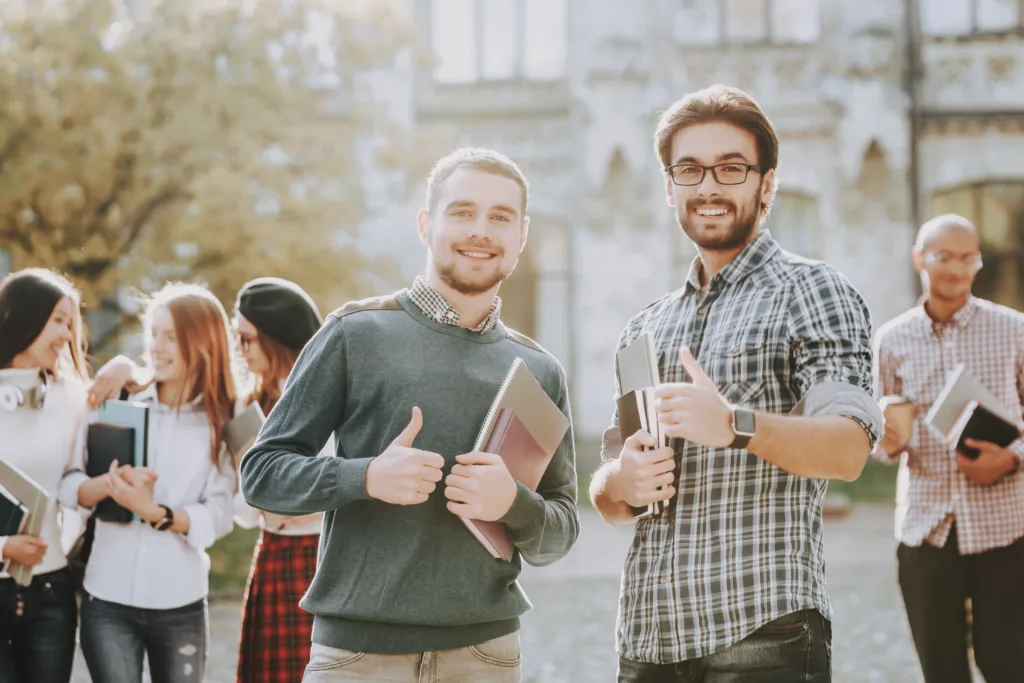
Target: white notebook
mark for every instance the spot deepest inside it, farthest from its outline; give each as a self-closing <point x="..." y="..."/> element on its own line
<point x="962" y="386"/>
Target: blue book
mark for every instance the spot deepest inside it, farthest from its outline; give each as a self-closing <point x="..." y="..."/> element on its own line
<point x="127" y="415"/>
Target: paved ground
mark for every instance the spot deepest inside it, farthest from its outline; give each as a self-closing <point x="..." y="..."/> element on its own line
<point x="569" y="636"/>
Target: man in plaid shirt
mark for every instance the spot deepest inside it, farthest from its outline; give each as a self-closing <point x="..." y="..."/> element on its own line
<point x="765" y="359"/>
<point x="960" y="522"/>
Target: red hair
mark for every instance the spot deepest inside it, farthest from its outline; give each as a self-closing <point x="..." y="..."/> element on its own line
<point x="201" y="327"/>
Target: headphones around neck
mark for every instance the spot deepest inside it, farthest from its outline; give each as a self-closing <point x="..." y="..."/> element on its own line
<point x="13" y="397"/>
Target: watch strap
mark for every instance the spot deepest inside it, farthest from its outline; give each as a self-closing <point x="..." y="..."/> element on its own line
<point x="166" y="521"/>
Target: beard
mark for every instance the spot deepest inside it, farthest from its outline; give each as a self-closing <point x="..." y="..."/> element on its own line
<point x="744" y="224"/>
<point x="471" y="284"/>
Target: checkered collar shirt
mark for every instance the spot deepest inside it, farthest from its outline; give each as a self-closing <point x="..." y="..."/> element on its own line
<point x="741" y="542"/>
<point x="913" y="356"/>
<point x="436" y="307"/>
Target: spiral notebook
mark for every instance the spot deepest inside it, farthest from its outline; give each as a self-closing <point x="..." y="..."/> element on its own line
<point x="525" y="427"/>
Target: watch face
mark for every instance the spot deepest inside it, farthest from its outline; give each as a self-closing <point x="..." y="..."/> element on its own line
<point x="743" y="422"/>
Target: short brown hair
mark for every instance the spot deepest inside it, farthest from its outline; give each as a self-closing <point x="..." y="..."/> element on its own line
<point x="477" y="158"/>
<point x="718" y="103"/>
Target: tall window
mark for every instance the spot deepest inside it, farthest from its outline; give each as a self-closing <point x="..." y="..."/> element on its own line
<point x="963" y="17"/>
<point x="710" y="22"/>
<point x="794" y="223"/>
<point x="997" y="209"/>
<point x="497" y="40"/>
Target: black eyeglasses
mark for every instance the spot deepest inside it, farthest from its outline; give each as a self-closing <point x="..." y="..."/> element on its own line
<point x="688" y="175"/>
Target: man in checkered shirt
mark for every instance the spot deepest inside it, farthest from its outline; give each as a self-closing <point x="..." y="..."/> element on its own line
<point x="765" y="359"/>
<point x="960" y="522"/>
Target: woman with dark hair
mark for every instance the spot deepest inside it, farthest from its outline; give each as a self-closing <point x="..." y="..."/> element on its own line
<point x="274" y="319"/>
<point x="42" y="408"/>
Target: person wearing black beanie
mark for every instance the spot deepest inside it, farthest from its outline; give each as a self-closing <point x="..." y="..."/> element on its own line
<point x="274" y="319"/>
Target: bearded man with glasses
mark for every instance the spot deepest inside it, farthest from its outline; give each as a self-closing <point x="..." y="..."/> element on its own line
<point x="959" y="522"/>
<point x="766" y="395"/>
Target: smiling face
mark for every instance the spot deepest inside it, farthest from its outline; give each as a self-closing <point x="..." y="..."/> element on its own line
<point x="475" y="231"/>
<point x="949" y="260"/>
<point x="53" y="341"/>
<point x="716" y="216"/>
<point x="168" y="365"/>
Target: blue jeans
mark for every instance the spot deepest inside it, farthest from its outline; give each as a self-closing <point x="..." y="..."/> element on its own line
<point x="115" y="637"/>
<point x="39" y="643"/>
<point x="796" y="647"/>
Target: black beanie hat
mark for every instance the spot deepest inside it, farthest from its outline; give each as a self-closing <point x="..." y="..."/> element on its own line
<point x="280" y="309"/>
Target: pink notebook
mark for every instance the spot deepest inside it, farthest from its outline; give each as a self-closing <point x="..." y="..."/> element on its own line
<point x="526" y="461"/>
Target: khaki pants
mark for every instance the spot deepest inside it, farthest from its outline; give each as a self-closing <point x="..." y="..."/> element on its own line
<point x="495" y="661"/>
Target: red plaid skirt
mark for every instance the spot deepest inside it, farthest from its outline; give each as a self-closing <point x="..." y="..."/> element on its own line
<point x="276" y="632"/>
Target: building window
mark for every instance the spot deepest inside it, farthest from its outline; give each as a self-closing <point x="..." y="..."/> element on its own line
<point x="997" y="209"/>
<point x="964" y="17"/>
<point x="499" y="40"/>
<point x="711" y="22"/>
<point x="794" y="223"/>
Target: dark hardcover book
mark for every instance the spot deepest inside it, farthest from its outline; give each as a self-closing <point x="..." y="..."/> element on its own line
<point x="981" y="424"/>
<point x="633" y="414"/>
<point x="13" y="515"/>
<point x="106" y="443"/>
<point x="526" y="461"/>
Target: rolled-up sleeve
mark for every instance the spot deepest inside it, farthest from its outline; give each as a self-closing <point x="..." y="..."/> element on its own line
<point x="830" y="327"/>
<point x="212" y="517"/>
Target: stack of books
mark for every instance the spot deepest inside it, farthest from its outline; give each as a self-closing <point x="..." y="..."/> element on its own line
<point x="120" y="432"/>
<point x="525" y="427"/>
<point x="637" y="366"/>
<point x="967" y="409"/>
<point x="23" y="505"/>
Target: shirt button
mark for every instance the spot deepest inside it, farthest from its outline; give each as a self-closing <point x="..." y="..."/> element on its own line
<point x="664" y="579"/>
<point x="700" y="311"/>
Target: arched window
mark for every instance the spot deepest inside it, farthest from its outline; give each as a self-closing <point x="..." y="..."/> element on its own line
<point x="997" y="209"/>
<point x="794" y="223"/>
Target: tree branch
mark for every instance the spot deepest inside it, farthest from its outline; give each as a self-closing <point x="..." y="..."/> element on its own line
<point x="148" y="209"/>
<point x="11" y="147"/>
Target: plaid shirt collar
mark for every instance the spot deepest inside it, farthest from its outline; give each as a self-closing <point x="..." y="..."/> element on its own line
<point x="753" y="257"/>
<point x="437" y="308"/>
<point x="959" y="320"/>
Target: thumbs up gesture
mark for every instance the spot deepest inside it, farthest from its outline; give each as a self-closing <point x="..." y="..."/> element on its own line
<point x="694" y="410"/>
<point x="403" y="475"/>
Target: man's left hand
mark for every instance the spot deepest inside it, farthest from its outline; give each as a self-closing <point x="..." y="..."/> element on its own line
<point x="991" y="465"/>
<point x="480" y="487"/>
<point x="694" y="411"/>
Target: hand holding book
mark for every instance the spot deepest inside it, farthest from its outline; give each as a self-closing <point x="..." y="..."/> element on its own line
<point x="27" y="551"/>
<point x="992" y="463"/>
<point x="480" y="487"/>
<point x="645" y="472"/>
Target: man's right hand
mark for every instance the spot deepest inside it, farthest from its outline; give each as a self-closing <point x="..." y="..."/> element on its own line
<point x="25" y="550"/>
<point x="403" y="475"/>
<point x="643" y="477"/>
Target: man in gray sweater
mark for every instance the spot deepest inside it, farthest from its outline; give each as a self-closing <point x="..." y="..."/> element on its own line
<point x="403" y="592"/>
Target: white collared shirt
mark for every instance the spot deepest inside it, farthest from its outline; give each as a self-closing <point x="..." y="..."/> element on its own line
<point x="40" y="442"/>
<point x="136" y="565"/>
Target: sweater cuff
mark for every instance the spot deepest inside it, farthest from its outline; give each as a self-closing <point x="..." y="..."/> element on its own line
<point x="526" y="513"/>
<point x="1017" y="448"/>
<point x="350" y="482"/>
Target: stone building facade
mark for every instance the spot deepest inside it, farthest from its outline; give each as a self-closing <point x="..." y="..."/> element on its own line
<point x="888" y="111"/>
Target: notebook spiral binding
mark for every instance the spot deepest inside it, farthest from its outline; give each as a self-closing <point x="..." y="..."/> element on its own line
<point x="492" y="412"/>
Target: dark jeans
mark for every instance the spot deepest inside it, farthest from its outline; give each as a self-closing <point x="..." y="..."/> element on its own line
<point x="935" y="583"/>
<point x="796" y="647"/>
<point x="115" y="637"/>
<point x="39" y="644"/>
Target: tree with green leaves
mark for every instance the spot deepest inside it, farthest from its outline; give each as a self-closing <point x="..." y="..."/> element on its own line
<point x="144" y="140"/>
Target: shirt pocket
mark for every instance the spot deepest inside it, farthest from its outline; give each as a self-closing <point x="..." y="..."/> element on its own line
<point x="738" y="359"/>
